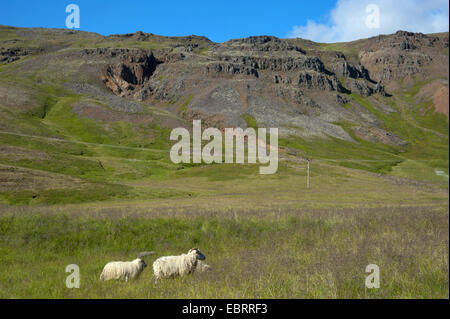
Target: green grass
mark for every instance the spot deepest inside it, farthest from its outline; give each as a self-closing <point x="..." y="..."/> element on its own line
<point x="220" y="172"/>
<point x="250" y="120"/>
<point x="350" y="49"/>
<point x="318" y="255"/>
<point x="363" y="155"/>
<point x="420" y="170"/>
<point x="90" y="193"/>
<point x="46" y="38"/>
<point x="183" y="106"/>
<point x="203" y="51"/>
<point x="424" y="145"/>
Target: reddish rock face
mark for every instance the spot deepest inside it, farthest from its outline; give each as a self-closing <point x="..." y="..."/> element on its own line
<point x="440" y="100"/>
<point x="134" y="70"/>
<point x="437" y="92"/>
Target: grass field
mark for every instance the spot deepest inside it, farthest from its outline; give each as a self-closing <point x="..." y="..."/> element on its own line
<point x="318" y="253"/>
<point x="285" y="240"/>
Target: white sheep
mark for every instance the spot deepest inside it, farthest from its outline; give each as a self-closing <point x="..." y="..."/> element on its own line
<point x="172" y="266"/>
<point x="202" y="267"/>
<point x="125" y="269"/>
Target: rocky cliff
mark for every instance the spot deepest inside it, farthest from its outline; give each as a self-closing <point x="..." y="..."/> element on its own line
<point x="304" y="88"/>
<point x="300" y="89"/>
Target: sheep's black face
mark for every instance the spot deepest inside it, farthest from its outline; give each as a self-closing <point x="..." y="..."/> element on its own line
<point x="200" y="256"/>
<point x="143" y="264"/>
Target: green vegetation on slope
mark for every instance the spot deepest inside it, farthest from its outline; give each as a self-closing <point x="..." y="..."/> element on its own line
<point x="49" y="137"/>
<point x="250" y="120"/>
<point x="427" y="136"/>
<point x="183" y="106"/>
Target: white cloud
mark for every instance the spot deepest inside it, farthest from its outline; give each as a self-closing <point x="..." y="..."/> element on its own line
<point x="347" y="21"/>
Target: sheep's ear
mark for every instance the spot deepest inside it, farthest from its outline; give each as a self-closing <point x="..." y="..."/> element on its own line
<point x="145" y="253"/>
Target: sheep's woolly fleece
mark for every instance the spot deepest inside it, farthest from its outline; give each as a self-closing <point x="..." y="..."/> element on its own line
<point x="172" y="266"/>
<point x="123" y="269"/>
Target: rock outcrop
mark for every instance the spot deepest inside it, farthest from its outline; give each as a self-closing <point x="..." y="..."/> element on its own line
<point x="344" y="69"/>
<point x="8" y="55"/>
<point x="129" y="75"/>
<point x="403" y="54"/>
<point x="318" y="81"/>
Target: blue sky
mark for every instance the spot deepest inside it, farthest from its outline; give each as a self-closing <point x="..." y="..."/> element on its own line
<point x="326" y="21"/>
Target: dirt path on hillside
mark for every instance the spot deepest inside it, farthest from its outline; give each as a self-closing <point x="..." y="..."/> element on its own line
<point x="58" y="139"/>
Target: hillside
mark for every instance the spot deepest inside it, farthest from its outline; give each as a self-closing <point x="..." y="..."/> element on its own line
<point x="86" y="117"/>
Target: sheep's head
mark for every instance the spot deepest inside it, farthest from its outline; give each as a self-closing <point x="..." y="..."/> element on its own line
<point x="141" y="256"/>
<point x="140" y="262"/>
<point x="197" y="253"/>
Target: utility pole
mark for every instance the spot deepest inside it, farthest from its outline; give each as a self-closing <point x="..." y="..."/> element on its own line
<point x="307" y="173"/>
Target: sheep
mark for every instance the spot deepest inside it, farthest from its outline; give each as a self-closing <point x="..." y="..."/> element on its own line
<point x="172" y="266"/>
<point x="125" y="269"/>
<point x="202" y="267"/>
